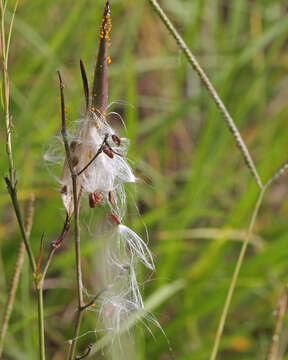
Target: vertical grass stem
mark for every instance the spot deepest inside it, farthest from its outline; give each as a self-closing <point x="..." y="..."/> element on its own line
<point x="207" y="83"/>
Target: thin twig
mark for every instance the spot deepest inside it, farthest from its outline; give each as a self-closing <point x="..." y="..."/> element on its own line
<point x="89" y="348"/>
<point x="72" y="348"/>
<point x="16" y="274"/>
<point x="63" y="127"/>
<point x="94" y="157"/>
<point x="91" y="302"/>
<point x="207" y="83"/>
<point x="48" y="262"/>
<point x="55" y="245"/>
<point x="72" y="351"/>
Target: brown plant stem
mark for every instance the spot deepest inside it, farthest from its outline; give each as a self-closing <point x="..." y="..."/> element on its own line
<point x="55" y="245"/>
<point x="99" y="151"/>
<point x="72" y="351"/>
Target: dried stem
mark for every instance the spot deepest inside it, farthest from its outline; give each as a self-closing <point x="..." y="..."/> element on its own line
<point x="55" y="245"/>
<point x="99" y="151"/>
<point x="207" y="83"/>
<point x="280" y="312"/>
<point x="72" y="349"/>
<point x="16" y="275"/>
<point x="76" y="225"/>
<point x="89" y="348"/>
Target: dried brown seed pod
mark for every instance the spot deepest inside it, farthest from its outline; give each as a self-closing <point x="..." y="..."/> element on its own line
<point x="115" y="219"/>
<point x="116" y="139"/>
<point x="111" y="198"/>
<point x="94" y="199"/>
<point x="63" y="189"/>
<point x="108" y="151"/>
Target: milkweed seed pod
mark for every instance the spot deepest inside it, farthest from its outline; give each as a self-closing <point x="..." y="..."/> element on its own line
<point x="98" y="158"/>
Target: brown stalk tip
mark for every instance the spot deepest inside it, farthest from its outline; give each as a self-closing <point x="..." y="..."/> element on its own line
<point x="60" y="79"/>
<point x="85" y="84"/>
<point x="100" y="83"/>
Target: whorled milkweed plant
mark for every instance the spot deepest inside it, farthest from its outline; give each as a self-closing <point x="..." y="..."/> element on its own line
<point x="95" y="168"/>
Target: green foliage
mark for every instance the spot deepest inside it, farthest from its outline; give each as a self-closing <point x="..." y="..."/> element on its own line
<point x="191" y="173"/>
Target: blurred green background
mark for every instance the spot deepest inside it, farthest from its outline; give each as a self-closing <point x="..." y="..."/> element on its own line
<point x="194" y="188"/>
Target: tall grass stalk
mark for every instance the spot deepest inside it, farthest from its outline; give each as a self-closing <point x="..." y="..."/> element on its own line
<point x="16" y="275"/>
<point x="235" y="276"/>
<point x="208" y="85"/>
<point x="11" y="181"/>
<point x="245" y="153"/>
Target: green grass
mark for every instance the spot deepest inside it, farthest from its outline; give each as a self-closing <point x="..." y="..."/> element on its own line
<point x="191" y="173"/>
